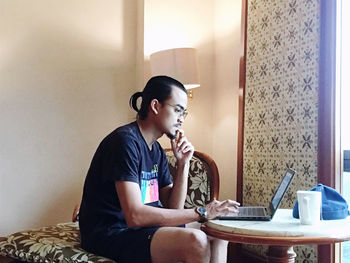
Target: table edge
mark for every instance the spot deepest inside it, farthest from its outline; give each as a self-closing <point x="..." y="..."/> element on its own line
<point x="269" y="240"/>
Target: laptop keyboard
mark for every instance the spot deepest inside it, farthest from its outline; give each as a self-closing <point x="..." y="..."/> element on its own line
<point x="252" y="211"/>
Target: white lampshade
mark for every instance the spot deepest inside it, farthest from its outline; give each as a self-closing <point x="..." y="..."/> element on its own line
<point x="178" y="63"/>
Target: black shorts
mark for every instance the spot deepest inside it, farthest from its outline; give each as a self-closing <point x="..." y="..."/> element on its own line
<point x="131" y="245"/>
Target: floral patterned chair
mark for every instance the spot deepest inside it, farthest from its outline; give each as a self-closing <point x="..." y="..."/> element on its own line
<point x="57" y="243"/>
<point x="203" y="178"/>
<point x="61" y="242"/>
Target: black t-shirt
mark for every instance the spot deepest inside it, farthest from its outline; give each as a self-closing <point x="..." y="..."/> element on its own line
<point x="122" y="156"/>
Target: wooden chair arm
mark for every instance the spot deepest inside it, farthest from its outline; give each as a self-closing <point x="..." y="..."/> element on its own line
<point x="75" y="215"/>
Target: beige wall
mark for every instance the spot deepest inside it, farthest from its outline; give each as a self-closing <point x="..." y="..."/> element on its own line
<point x="67" y="70"/>
<point x="172" y="24"/>
<point x="214" y="29"/>
<point x="228" y="50"/>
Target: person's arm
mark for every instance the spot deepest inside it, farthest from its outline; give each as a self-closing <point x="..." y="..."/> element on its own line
<point x="137" y="214"/>
<point x="174" y="196"/>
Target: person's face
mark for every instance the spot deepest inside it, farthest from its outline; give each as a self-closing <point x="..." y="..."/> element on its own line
<point x="173" y="112"/>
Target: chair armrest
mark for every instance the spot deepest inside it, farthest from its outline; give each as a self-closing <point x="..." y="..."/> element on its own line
<point x="75" y="215"/>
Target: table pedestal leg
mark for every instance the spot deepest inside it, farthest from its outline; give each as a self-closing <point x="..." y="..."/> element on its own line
<point x="280" y="254"/>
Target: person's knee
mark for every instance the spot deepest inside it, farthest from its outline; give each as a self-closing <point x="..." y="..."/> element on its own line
<point x="171" y="244"/>
<point x="198" y="243"/>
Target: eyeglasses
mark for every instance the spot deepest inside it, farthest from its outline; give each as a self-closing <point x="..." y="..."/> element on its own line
<point x="179" y="110"/>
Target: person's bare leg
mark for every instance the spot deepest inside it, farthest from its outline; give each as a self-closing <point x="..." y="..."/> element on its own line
<point x="174" y="244"/>
<point x="218" y="247"/>
<point x="218" y="250"/>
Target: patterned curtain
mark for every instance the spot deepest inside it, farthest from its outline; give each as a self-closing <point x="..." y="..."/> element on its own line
<point x="281" y="102"/>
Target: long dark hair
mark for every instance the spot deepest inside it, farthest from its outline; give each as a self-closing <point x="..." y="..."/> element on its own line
<point x="158" y="87"/>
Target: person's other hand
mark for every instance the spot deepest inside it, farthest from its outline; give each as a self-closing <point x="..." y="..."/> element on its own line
<point x="182" y="148"/>
<point x="220" y="208"/>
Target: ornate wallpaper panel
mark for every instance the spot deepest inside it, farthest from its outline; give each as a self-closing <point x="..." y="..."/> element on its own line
<point x="281" y="101"/>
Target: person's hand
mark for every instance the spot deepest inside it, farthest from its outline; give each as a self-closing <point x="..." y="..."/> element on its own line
<point x="182" y="148"/>
<point x="220" y="208"/>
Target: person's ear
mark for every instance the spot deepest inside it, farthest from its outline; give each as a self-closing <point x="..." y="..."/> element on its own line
<point x="154" y="106"/>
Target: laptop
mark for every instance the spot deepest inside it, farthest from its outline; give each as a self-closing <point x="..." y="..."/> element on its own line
<point x="259" y="213"/>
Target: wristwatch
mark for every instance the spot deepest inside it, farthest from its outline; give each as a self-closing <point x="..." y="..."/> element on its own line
<point x="202" y="213"/>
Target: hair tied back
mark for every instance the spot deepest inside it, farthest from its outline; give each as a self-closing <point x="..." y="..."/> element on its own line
<point x="133" y="100"/>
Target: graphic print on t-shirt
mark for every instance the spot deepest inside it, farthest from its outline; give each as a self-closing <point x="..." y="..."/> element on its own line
<point x="149" y="185"/>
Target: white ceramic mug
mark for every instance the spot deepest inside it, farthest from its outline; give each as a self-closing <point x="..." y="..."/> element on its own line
<point x="309" y="207"/>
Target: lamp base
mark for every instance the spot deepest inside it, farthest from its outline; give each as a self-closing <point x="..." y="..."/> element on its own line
<point x="190" y="94"/>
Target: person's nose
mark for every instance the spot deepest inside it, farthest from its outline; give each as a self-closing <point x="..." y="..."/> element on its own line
<point x="180" y="119"/>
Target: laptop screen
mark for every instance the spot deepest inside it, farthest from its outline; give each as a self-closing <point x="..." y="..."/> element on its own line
<point x="277" y="198"/>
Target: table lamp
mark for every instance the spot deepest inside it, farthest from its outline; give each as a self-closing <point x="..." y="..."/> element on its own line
<point x="178" y="63"/>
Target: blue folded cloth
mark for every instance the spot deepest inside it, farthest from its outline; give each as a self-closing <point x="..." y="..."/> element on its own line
<point x="333" y="206"/>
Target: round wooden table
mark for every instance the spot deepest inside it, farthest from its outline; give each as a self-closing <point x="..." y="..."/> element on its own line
<point x="281" y="233"/>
